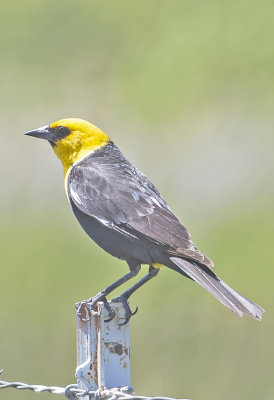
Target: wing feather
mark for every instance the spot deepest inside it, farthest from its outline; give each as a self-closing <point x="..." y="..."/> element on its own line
<point x="107" y="186"/>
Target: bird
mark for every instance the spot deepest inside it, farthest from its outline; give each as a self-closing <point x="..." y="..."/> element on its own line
<point x="122" y="211"/>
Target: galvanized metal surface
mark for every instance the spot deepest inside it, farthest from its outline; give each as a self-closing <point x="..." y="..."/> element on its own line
<point x="103" y="349"/>
<point x="113" y="348"/>
<point x="87" y="353"/>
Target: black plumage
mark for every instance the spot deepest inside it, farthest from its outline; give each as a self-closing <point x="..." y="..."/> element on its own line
<point x="122" y="211"/>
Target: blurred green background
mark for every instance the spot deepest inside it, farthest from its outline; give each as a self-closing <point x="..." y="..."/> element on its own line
<point x="186" y="90"/>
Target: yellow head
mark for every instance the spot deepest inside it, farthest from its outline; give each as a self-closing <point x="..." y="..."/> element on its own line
<point x="71" y="139"/>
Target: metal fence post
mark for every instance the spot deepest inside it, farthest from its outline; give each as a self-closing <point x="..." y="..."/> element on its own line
<point x="86" y="371"/>
<point x="103" y="349"/>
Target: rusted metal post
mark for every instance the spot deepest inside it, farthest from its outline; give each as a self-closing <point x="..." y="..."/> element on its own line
<point x="114" y="348"/>
<point x="87" y="344"/>
<point x="103" y="350"/>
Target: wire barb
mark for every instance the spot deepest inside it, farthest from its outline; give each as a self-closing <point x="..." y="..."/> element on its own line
<point x="72" y="392"/>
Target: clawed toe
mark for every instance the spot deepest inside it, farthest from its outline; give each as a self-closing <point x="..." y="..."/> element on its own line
<point x="135" y="311"/>
<point x="127" y="318"/>
<point x="111" y="312"/>
<point x="128" y="312"/>
<point x="89" y="307"/>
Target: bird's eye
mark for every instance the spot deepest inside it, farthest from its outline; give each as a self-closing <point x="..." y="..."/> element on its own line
<point x="63" y="131"/>
<point x="58" y="133"/>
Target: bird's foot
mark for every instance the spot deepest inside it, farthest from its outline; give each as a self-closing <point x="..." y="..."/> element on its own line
<point x="128" y="313"/>
<point x="89" y="307"/>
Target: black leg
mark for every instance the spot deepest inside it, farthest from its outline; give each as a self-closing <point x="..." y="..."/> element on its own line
<point x="101" y="296"/>
<point x="152" y="272"/>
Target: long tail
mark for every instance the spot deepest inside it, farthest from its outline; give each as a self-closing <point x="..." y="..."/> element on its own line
<point x="208" y="280"/>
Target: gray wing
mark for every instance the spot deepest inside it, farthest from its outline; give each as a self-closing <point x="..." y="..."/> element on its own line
<point x="107" y="186"/>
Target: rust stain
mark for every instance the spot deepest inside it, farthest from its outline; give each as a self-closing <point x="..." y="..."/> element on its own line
<point x="90" y="375"/>
<point x="117" y="349"/>
<point x="93" y="373"/>
<point x="85" y="314"/>
<point x="94" y="365"/>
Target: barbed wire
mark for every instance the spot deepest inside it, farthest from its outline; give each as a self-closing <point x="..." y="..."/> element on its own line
<point x="73" y="392"/>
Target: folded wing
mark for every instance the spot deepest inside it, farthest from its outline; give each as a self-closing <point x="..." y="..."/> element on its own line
<point x="107" y="186"/>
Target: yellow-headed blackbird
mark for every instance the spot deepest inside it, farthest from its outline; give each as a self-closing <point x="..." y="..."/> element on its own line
<point x="121" y="210"/>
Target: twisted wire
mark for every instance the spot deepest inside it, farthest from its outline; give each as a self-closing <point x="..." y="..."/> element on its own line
<point x="72" y="392"/>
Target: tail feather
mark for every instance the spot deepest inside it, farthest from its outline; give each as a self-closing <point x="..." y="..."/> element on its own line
<point x="205" y="277"/>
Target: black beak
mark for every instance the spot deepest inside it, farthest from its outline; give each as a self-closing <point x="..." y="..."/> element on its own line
<point x="41" y="133"/>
